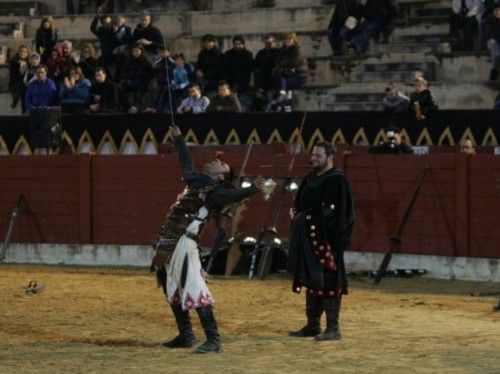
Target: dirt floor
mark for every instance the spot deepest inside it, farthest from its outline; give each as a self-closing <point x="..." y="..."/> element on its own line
<point x="113" y="320"/>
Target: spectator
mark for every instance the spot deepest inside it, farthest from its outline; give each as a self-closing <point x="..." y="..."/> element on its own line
<point x="290" y="72"/>
<point x="208" y="64"/>
<point x="56" y="65"/>
<point x="237" y="66"/>
<point x="463" y="23"/>
<point x="377" y="15"/>
<point x="75" y="91"/>
<point x="88" y="61"/>
<point x="42" y="91"/>
<point x="492" y="39"/>
<point x="421" y="100"/>
<point x="46" y="38"/>
<point x="136" y="75"/>
<point x="30" y="74"/>
<point x="394" y="101"/>
<point x="106" y="35"/>
<point x="225" y="101"/>
<point x="148" y="36"/>
<point x="265" y="61"/>
<point x="164" y="68"/>
<point x="74" y="7"/>
<point x="467" y="147"/>
<point x="70" y="56"/>
<point x="122" y="35"/>
<point x="103" y="97"/>
<point x="344" y="23"/>
<point x="395" y="144"/>
<point x="180" y="78"/>
<point x="17" y="69"/>
<point x="194" y="103"/>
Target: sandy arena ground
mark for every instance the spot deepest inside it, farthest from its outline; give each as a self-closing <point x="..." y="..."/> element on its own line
<point x="112" y="320"/>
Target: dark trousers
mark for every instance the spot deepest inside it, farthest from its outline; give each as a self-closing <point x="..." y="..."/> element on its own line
<point x="74" y="7"/>
<point x="338" y="34"/>
<point x="135" y="87"/>
<point x="285" y="82"/>
<point x="367" y="30"/>
<point x="463" y="30"/>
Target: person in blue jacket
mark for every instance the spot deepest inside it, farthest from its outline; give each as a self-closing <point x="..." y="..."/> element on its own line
<point x="75" y="91"/>
<point x="42" y="91"/>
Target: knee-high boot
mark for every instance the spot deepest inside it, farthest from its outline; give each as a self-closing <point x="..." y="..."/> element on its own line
<point x="207" y="319"/>
<point x="314" y="310"/>
<point x="186" y="337"/>
<point x="332" y="309"/>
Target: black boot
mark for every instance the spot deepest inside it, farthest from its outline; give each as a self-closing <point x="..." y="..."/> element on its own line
<point x="332" y="309"/>
<point x="207" y="319"/>
<point x="186" y="337"/>
<point x="314" y="310"/>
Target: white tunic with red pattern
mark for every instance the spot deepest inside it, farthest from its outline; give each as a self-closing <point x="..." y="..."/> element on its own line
<point x="194" y="293"/>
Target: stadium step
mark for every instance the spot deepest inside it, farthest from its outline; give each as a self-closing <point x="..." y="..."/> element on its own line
<point x="20" y="8"/>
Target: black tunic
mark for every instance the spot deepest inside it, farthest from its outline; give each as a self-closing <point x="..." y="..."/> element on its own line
<point x="320" y="232"/>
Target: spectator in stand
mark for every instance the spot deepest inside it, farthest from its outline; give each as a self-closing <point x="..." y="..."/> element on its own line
<point x="492" y="39"/>
<point x="30" y="74"/>
<point x="421" y="101"/>
<point x="70" y="56"/>
<point x="88" y="60"/>
<point x="42" y="91"/>
<point x="123" y="36"/>
<point x="46" y="38"/>
<point x="395" y="102"/>
<point x="74" y="92"/>
<point x="237" y="66"/>
<point x="463" y="23"/>
<point x="225" y="101"/>
<point x="344" y="23"/>
<point x="74" y="7"/>
<point x="164" y="68"/>
<point x="103" y="96"/>
<point x="106" y="35"/>
<point x="56" y="65"/>
<point x="148" y="36"/>
<point x="467" y="147"/>
<point x="395" y="144"/>
<point x="17" y="69"/>
<point x="181" y="76"/>
<point x="136" y="75"/>
<point x="377" y="15"/>
<point x="265" y="61"/>
<point x="290" y="72"/>
<point x="194" y="103"/>
<point x="208" y="64"/>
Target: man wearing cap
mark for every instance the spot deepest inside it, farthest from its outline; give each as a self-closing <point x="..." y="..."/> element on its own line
<point x="177" y="261"/>
<point x="322" y="220"/>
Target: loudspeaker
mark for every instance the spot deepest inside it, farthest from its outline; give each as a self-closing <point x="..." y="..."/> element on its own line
<point x="46" y="129"/>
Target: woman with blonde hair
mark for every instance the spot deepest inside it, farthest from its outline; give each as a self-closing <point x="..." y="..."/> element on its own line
<point x="291" y="70"/>
<point x="46" y="38"/>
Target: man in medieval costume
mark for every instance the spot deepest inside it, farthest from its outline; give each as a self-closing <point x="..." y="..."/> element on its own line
<point x="177" y="259"/>
<point x="322" y="220"/>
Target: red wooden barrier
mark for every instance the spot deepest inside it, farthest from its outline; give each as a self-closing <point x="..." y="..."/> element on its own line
<point x="123" y="199"/>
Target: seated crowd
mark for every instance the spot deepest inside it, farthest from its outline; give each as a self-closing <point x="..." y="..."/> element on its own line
<point x="131" y="64"/>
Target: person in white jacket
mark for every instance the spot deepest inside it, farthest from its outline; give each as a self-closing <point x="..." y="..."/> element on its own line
<point x="195" y="102"/>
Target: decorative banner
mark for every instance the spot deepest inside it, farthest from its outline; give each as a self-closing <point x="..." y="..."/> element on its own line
<point x="138" y="133"/>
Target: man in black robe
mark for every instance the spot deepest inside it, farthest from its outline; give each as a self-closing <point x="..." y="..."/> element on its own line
<point x="177" y="261"/>
<point x="323" y="218"/>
